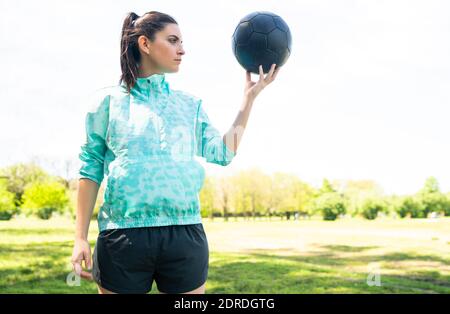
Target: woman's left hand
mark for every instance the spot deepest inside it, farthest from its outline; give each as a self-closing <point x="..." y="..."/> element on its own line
<point x="252" y="89"/>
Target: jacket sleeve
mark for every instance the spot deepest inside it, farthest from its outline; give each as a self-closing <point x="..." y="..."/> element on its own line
<point x="209" y="141"/>
<point x="94" y="148"/>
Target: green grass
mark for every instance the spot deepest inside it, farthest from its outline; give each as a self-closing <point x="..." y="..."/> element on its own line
<point x="257" y="256"/>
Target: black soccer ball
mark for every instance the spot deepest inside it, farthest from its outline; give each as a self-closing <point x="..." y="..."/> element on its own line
<point x="261" y="38"/>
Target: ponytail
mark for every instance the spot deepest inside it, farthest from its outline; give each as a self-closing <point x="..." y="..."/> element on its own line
<point x="129" y="52"/>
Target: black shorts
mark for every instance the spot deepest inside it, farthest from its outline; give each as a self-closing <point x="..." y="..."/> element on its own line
<point x="127" y="260"/>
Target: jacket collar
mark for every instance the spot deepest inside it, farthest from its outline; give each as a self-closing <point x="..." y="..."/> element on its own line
<point x="152" y="84"/>
<point x="156" y="80"/>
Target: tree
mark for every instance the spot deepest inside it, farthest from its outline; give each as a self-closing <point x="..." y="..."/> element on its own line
<point x="304" y="195"/>
<point x="250" y="193"/>
<point x="431" y="199"/>
<point x="357" y="192"/>
<point x="21" y="174"/>
<point x="224" y="196"/>
<point x="431" y="186"/>
<point x="326" y="187"/>
<point x="289" y="194"/>
<point x="207" y="196"/>
<point x="282" y="192"/>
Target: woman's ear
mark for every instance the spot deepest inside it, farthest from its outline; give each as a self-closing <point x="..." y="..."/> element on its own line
<point x="144" y="44"/>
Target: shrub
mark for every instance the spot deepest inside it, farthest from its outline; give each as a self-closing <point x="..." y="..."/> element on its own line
<point x="20" y="175"/>
<point x="447" y="205"/>
<point x="432" y="202"/>
<point x="409" y="206"/>
<point x="44" y="198"/>
<point x="372" y="207"/>
<point x="7" y="205"/>
<point x="330" y="205"/>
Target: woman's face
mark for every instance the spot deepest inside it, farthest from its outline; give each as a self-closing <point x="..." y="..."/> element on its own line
<point x="164" y="53"/>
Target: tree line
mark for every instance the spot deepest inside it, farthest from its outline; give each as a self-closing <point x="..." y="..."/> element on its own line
<point x="252" y="193"/>
<point x="27" y="189"/>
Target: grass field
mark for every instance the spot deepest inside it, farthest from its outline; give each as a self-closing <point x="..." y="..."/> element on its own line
<point x="305" y="256"/>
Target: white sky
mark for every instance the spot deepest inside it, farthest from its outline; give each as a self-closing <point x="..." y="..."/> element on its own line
<point x="364" y="95"/>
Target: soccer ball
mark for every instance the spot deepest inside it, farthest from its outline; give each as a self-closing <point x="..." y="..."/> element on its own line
<point x="261" y="38"/>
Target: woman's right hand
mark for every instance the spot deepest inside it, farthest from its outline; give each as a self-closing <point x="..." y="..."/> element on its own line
<point x="82" y="252"/>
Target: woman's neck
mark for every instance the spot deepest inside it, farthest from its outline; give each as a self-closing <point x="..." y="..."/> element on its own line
<point x="145" y="70"/>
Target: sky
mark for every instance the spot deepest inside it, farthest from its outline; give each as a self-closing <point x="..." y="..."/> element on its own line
<point x="364" y="95"/>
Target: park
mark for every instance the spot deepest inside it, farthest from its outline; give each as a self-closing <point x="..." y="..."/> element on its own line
<point x="258" y="256"/>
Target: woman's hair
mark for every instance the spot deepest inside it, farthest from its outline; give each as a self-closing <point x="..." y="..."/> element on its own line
<point x="133" y="27"/>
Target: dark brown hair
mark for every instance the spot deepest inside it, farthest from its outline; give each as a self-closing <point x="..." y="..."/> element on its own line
<point x="133" y="27"/>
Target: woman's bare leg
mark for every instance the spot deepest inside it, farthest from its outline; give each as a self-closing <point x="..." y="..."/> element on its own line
<point x="104" y="291"/>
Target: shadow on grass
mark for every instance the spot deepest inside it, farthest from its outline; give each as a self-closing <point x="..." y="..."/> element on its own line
<point x="348" y="248"/>
<point x="43" y="268"/>
<point x="39" y="268"/>
<point x="34" y="232"/>
<point x="266" y="271"/>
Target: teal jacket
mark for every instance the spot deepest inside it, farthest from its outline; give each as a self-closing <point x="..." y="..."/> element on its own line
<point x="145" y="142"/>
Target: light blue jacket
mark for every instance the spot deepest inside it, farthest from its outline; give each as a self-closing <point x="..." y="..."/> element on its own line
<point x="145" y="142"/>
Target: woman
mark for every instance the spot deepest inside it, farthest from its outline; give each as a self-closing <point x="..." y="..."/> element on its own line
<point x="144" y="136"/>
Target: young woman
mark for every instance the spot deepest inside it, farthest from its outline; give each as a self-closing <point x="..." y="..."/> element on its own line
<point x="144" y="136"/>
